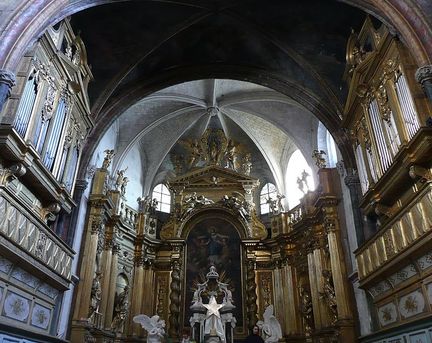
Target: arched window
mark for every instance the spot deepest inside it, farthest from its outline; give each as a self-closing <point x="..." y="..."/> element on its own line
<point x="298" y="168"/>
<point x="163" y="196"/>
<point x="269" y="191"/>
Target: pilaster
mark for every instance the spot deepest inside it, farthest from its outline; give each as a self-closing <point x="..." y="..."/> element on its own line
<point x="7" y="81"/>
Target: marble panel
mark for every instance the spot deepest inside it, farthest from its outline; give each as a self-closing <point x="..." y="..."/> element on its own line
<point x="411" y="304"/>
<point x="387" y="314"/>
<point x="24" y="277"/>
<point x="425" y="261"/>
<point x="5" y="265"/>
<point x="429" y="292"/>
<point x="48" y="291"/>
<point x="41" y="316"/>
<point x="395" y="340"/>
<point x="418" y="337"/>
<point x="379" y="288"/>
<point x="403" y="275"/>
<point x="16" y="307"/>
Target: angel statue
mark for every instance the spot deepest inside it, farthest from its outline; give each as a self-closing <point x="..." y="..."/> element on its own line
<point x="154" y="326"/>
<point x="270" y="327"/>
<point x="320" y="161"/>
<point x="109" y="154"/>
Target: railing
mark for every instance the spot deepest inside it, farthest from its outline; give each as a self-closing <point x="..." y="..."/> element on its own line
<point x="284" y="221"/>
<point x="34" y="238"/>
<point x="128" y="215"/>
<point x="403" y="231"/>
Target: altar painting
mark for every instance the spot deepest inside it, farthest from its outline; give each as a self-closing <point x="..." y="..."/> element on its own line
<point x="214" y="241"/>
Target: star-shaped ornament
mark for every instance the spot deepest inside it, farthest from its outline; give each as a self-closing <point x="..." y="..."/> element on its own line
<point x="213" y="307"/>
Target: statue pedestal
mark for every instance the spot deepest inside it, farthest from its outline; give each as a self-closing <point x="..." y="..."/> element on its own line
<point x="212" y="339"/>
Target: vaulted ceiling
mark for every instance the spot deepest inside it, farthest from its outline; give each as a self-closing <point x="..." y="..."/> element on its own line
<point x="272" y="69"/>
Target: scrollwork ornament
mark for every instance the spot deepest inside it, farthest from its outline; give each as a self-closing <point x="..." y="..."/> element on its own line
<point x="96" y="225"/>
<point x="329" y="224"/>
<point x="116" y="248"/>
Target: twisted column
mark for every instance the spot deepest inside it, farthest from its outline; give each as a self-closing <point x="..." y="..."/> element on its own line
<point x="175" y="297"/>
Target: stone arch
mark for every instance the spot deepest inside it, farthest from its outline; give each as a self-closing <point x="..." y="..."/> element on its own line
<point x="27" y="20"/>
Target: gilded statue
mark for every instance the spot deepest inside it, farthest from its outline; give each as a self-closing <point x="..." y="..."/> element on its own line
<point x="109" y="154"/>
<point x="320" y="161"/>
<point x="272" y="205"/>
<point x="194" y="150"/>
<point x="121" y="309"/>
<point x="247" y="164"/>
<point x="95" y="296"/>
<point x="306" y="309"/>
<point x="230" y="155"/>
<point x="329" y="294"/>
<point x="234" y="203"/>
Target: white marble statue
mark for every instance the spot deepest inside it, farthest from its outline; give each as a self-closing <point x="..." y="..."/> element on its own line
<point x="213" y="323"/>
<point x="155" y="327"/>
<point x="270" y="327"/>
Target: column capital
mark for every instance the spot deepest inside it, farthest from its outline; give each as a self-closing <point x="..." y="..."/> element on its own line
<point x="7" y="78"/>
<point x="351" y="178"/>
<point x="81" y="185"/>
<point x="424" y="74"/>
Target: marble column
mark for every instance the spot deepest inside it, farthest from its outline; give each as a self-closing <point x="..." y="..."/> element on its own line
<point x="291" y="303"/>
<point x="7" y="81"/>
<point x="352" y="181"/>
<point x="106" y="278"/>
<point x="316" y="265"/>
<point x="147" y="304"/>
<point x="137" y="293"/>
<point x="423" y="76"/>
<point x="80" y="187"/>
<point x="345" y="320"/>
<point x="279" y="308"/>
<point x="88" y="271"/>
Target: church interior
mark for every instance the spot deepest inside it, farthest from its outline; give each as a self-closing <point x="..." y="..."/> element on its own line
<point x="255" y="159"/>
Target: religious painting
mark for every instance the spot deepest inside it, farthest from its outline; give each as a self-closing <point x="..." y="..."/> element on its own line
<point x="214" y="242"/>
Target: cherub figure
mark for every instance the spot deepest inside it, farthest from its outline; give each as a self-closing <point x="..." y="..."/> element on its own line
<point x="155" y="327"/>
<point x="109" y="154"/>
<point x="121" y="309"/>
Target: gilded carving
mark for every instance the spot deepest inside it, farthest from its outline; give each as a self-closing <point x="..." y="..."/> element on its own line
<point x="121" y="310"/>
<point x="306" y="310"/>
<point x="318" y="156"/>
<point x="329" y="295"/>
<point x="95" y="297"/>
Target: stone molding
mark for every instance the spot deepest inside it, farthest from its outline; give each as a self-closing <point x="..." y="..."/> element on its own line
<point x="8" y="78"/>
<point x="424" y="74"/>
